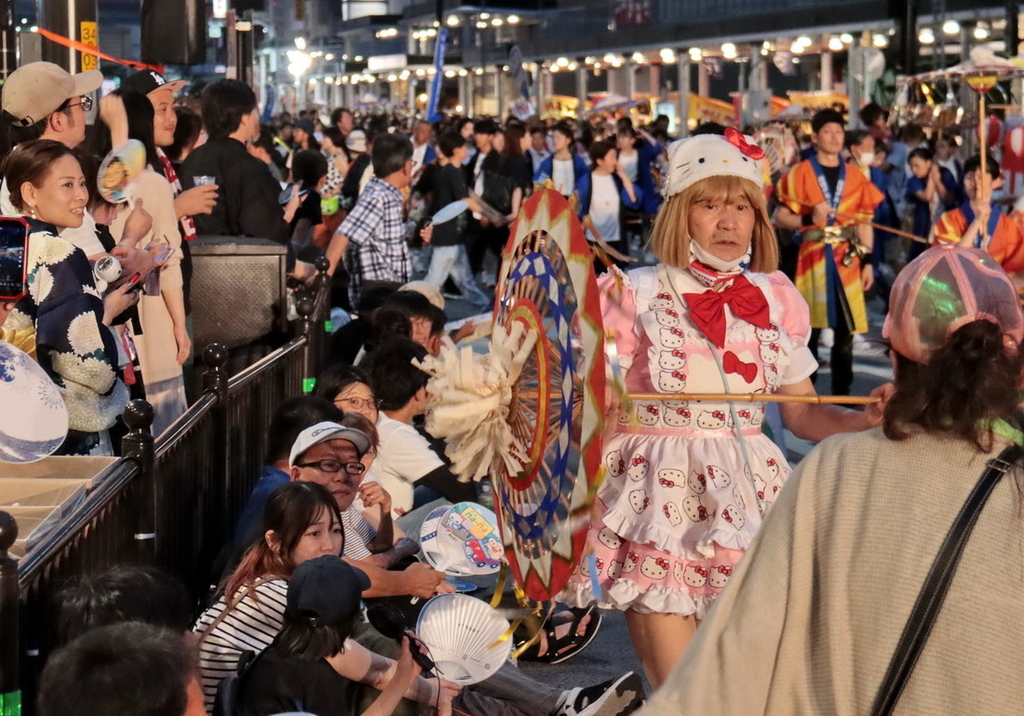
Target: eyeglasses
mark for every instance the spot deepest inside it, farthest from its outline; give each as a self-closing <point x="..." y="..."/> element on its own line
<point x="85" y="102"/>
<point x="332" y="467"/>
<point x="358" y="403"/>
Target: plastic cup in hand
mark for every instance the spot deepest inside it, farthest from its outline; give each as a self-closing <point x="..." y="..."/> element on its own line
<point x="203" y="180"/>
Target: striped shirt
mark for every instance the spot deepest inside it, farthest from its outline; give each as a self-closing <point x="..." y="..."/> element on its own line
<point x="358" y="534"/>
<point x="254" y="622"/>
<point x="250" y="625"/>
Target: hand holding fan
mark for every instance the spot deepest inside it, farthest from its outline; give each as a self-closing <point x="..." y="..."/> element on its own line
<point x="119" y="170"/>
<point x="448" y="212"/>
<point x="465" y="637"/>
<point x="462" y="540"/>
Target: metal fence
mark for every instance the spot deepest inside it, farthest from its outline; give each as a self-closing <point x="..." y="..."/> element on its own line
<point x="167" y="502"/>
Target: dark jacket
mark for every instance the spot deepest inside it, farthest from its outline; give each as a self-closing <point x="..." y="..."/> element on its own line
<point x="498" y="185"/>
<point x="248" y="197"/>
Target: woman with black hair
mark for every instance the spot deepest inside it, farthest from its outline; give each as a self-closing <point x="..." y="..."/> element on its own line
<point x="62" y="307"/>
<point x="309" y="167"/>
<point x="348" y="387"/>
<point x="164" y="344"/>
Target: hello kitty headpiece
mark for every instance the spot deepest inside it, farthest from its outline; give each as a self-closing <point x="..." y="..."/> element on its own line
<point x="712" y="155"/>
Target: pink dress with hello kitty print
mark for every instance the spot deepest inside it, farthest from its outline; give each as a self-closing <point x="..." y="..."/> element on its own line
<point x="679" y="502"/>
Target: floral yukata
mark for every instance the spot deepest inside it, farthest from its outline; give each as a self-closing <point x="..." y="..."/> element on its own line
<point x="679" y="503"/>
<point x="72" y="345"/>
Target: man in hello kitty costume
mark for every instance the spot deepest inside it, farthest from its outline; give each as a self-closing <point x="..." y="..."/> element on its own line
<point x="680" y="502"/>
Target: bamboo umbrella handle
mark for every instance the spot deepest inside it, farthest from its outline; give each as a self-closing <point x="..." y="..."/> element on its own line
<point x="758" y="398"/>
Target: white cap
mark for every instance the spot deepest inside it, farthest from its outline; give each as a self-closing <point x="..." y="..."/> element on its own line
<point x="712" y="155"/>
<point x="427" y="290"/>
<point x="328" y="431"/>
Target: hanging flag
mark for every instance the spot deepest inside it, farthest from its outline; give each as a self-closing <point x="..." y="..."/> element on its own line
<point x="523" y="108"/>
<point x="517" y="68"/>
<point x="435" y="86"/>
<point x="268" y="106"/>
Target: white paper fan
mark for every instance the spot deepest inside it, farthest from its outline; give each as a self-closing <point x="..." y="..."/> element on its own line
<point x="462" y="540"/>
<point x="463" y="635"/>
<point x="34" y="420"/>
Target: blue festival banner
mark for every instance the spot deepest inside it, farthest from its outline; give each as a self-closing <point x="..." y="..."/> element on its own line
<point x="268" y="105"/>
<point x="517" y="69"/>
<point x="435" y="85"/>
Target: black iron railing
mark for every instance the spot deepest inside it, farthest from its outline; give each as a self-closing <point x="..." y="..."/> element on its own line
<point x="168" y="502"/>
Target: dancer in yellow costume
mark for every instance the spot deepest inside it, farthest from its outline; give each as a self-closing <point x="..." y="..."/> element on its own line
<point x="829" y="205"/>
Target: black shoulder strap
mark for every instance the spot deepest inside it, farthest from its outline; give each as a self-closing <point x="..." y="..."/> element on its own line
<point x="936" y="584"/>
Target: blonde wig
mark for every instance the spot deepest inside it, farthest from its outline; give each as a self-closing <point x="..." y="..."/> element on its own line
<point x="670" y="238"/>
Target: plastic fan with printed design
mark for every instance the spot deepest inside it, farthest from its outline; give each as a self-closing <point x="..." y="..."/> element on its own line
<point x="462" y="540"/>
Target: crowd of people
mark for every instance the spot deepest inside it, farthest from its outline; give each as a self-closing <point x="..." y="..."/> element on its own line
<point x="699" y="518"/>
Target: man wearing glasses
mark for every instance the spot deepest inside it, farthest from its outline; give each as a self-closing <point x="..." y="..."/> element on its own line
<point x="328" y="453"/>
<point x="42" y="101"/>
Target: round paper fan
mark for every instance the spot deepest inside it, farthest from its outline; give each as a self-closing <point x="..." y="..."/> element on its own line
<point x="34" y="420"/>
<point x="465" y="637"/>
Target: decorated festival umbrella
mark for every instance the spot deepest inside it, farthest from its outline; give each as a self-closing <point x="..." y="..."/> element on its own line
<point x="981" y="73"/>
<point x="530" y="411"/>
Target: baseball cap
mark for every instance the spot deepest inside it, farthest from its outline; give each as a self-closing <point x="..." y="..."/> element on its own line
<point x="328" y="431"/>
<point x="325" y="591"/>
<point x="709" y="155"/>
<point x="943" y="289"/>
<point x="34" y="91"/>
<point x="146" y="81"/>
<point x="305" y="124"/>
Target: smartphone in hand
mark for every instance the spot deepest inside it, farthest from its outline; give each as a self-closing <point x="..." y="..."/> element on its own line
<point x="13" y="258"/>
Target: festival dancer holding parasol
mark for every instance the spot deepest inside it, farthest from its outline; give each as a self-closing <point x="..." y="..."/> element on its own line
<point x="688" y="483"/>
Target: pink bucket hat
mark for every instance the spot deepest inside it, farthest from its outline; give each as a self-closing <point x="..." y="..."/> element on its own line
<point x="943" y="289"/>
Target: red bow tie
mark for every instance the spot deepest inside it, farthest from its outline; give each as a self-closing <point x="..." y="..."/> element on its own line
<point x="707" y="310"/>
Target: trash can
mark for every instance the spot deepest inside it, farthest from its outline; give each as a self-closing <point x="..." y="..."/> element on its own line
<point x="238" y="296"/>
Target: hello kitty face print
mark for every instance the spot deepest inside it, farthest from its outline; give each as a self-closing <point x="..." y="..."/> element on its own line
<point x="672" y="337"/>
<point x="615" y="464"/>
<point x="718" y="576"/>
<point x="648" y="414"/>
<point x="677" y="414"/>
<point x="695" y="576"/>
<point x="674" y="359"/>
<point x="654" y="567"/>
<point x="710" y="155"/>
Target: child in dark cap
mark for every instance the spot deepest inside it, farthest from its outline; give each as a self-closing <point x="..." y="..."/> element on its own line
<point x="296" y="673"/>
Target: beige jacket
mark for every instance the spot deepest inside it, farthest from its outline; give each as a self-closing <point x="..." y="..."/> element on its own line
<point x="810" y="619"/>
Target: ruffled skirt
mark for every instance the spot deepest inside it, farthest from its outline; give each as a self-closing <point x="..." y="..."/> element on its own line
<point x="675" y="513"/>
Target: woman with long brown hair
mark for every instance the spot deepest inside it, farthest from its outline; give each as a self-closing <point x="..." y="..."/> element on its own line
<point x="301" y="521"/>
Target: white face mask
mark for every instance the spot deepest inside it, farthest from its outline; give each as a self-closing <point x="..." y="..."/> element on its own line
<point x="866" y="159"/>
<point x="707" y="258"/>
